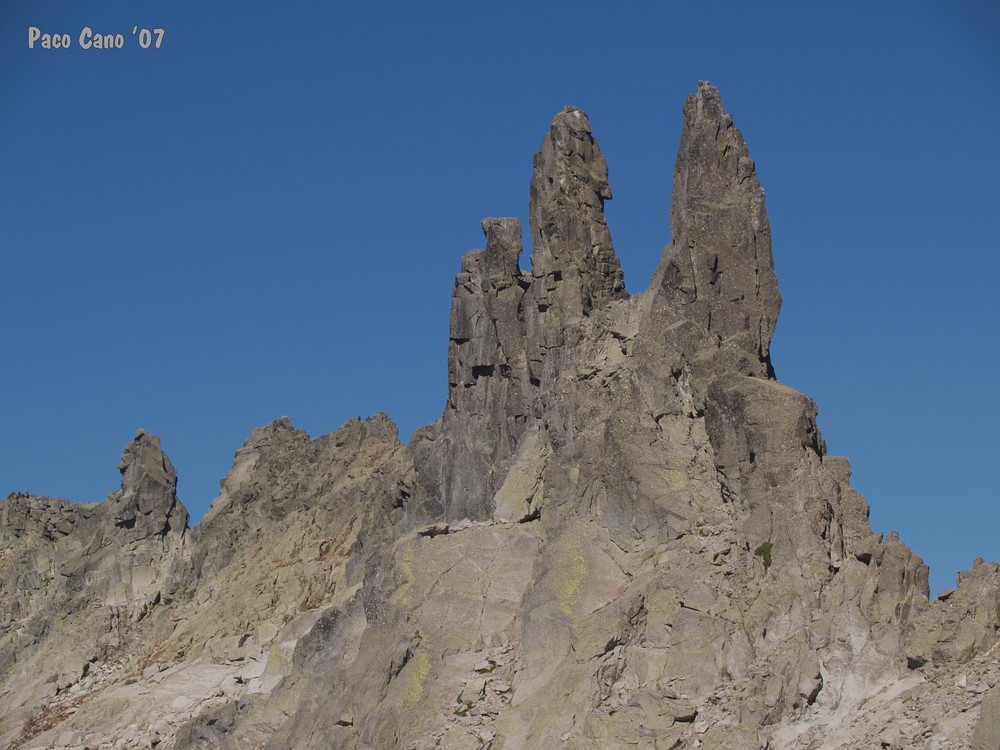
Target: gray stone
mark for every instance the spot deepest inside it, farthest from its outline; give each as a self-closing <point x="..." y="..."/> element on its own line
<point x="623" y="531"/>
<point x="718" y="273"/>
<point x="987" y="733"/>
<point x="147" y="504"/>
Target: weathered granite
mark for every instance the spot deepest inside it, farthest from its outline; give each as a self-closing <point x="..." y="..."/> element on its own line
<point x="718" y="272"/>
<point x="75" y="577"/>
<point x="622" y="532"/>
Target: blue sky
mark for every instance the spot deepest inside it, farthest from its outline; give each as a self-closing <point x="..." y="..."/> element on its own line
<point x="264" y="217"/>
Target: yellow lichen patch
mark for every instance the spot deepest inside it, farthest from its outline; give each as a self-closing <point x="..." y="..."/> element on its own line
<point x="402" y="595"/>
<point x="676" y="480"/>
<point x="524" y="487"/>
<point x="722" y="139"/>
<point x="419" y="670"/>
<point x="570" y="575"/>
<point x="776" y="405"/>
<point x="755" y="212"/>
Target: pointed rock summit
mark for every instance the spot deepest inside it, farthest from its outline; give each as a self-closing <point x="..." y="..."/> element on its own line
<point x="574" y="268"/>
<point x="516" y="336"/>
<point x="718" y="273"/>
<point x="573" y="249"/>
<point x="147" y="503"/>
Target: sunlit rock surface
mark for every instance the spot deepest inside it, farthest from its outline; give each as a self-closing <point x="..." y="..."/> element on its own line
<point x="623" y="531"/>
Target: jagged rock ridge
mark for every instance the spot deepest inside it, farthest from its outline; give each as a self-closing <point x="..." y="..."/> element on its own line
<point x="623" y="531"/>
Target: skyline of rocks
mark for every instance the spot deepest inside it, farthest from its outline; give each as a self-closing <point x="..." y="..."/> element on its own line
<point x="620" y="506"/>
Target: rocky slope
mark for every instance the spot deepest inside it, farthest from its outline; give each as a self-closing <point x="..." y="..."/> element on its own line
<point x="622" y="532"/>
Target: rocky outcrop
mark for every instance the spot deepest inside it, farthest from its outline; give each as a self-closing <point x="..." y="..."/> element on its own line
<point x="623" y="531"/>
<point x="460" y="459"/>
<point x="574" y="268"/>
<point x="515" y="335"/>
<point x="279" y="474"/>
<point x="199" y="619"/>
<point x="74" y="577"/>
<point x="716" y="280"/>
<point x="963" y="623"/>
<point x="147" y="503"/>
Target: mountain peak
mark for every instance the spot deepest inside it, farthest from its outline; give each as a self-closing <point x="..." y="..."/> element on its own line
<point x="572" y="243"/>
<point x="718" y="272"/>
<point x="620" y="506"/>
<point x="147" y="502"/>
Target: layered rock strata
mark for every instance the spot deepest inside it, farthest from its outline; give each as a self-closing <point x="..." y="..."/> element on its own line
<point x="622" y="532"/>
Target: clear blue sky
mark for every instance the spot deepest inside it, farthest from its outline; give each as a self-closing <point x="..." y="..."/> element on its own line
<point x="264" y="217"/>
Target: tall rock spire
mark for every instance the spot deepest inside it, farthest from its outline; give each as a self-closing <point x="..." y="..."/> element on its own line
<point x="568" y="190"/>
<point x="460" y="458"/>
<point x="516" y="335"/>
<point x="147" y="503"/>
<point x="718" y="273"/>
<point x="574" y="266"/>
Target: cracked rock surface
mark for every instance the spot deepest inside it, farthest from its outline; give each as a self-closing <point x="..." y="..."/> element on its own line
<point x="623" y="531"/>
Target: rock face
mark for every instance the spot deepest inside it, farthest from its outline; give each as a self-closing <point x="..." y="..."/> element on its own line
<point x="623" y="531"/>
<point x="718" y="272"/>
<point x="75" y="579"/>
<point x="147" y="504"/>
<point x="574" y="266"/>
<point x="460" y="457"/>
